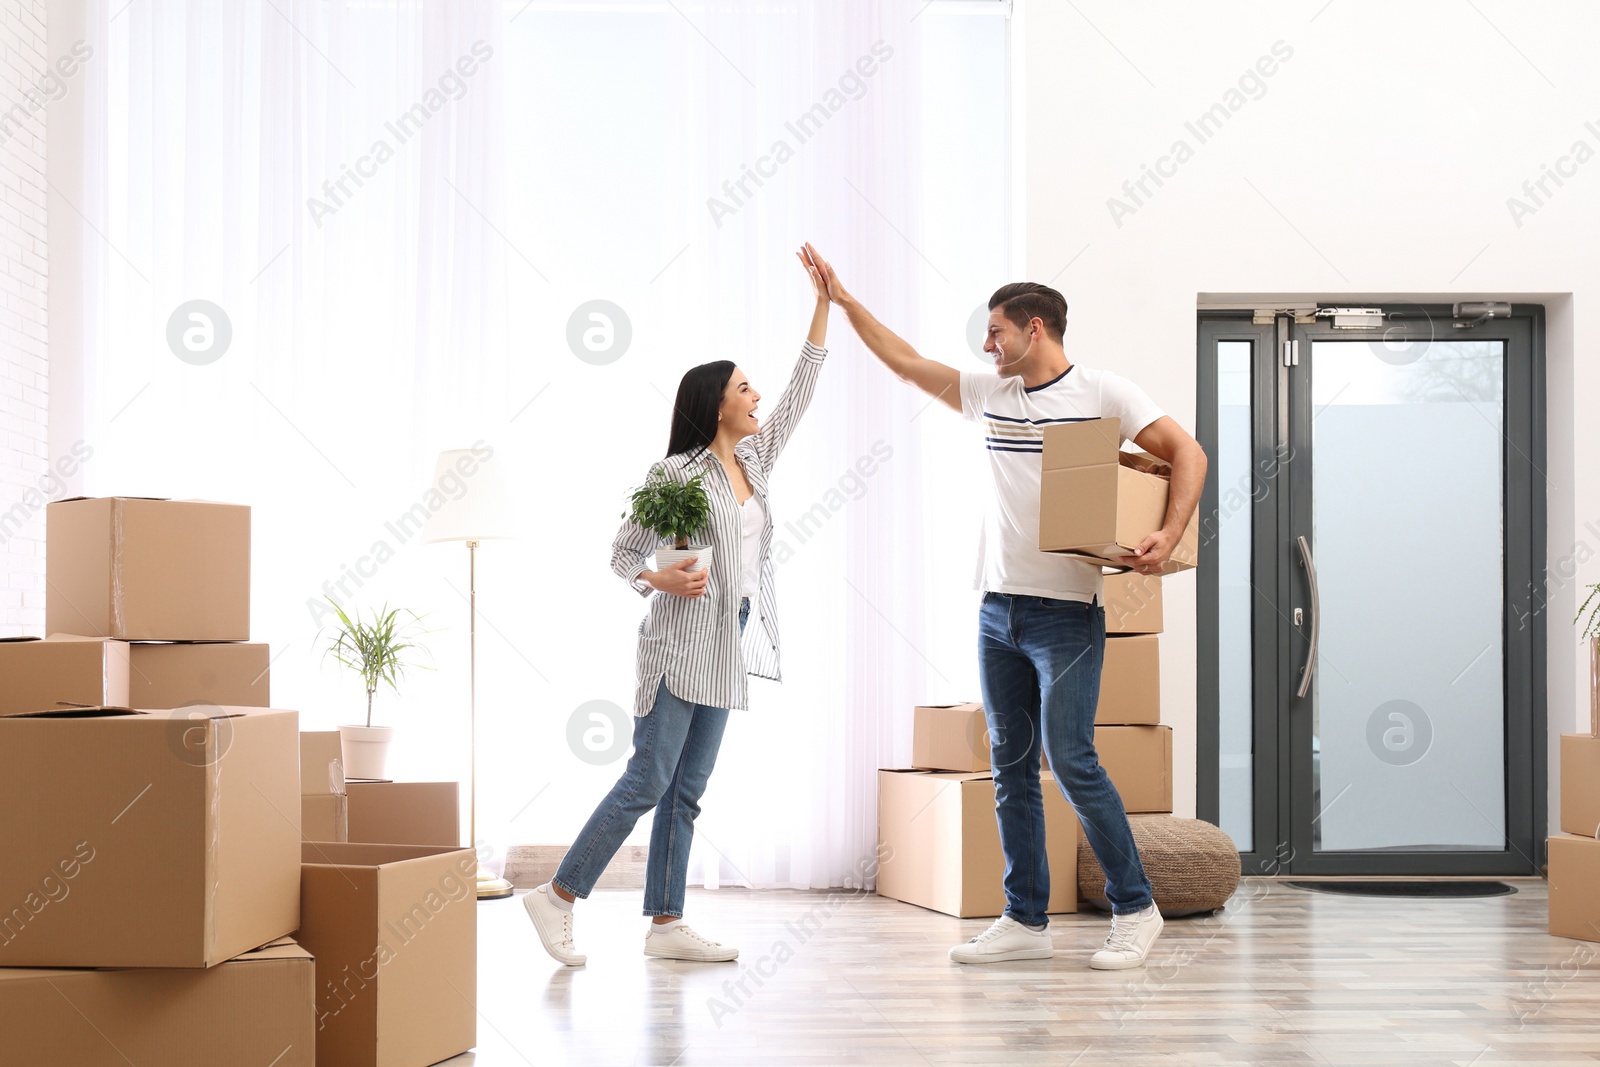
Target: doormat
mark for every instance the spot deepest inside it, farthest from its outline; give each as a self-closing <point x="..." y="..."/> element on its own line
<point x="1409" y="889"/>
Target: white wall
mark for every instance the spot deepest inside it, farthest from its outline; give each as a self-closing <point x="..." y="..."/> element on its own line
<point x="23" y="372"/>
<point x="1376" y="162"/>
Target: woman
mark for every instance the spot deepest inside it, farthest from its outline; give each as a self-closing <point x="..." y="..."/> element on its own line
<point x="694" y="650"/>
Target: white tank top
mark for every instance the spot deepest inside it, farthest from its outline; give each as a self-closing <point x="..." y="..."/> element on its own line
<point x="753" y="516"/>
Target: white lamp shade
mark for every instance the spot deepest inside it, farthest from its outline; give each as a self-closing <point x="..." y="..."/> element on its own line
<point x="467" y="499"/>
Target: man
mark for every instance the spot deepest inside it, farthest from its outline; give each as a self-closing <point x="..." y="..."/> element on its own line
<point x="1041" y="636"/>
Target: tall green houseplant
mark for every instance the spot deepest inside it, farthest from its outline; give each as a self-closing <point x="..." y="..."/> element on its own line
<point x="675" y="511"/>
<point x="375" y="649"/>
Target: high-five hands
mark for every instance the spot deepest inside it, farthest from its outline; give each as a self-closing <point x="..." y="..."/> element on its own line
<point x="818" y="284"/>
<point x="824" y="269"/>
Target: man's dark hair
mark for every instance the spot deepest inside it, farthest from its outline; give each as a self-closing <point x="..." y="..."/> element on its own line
<point x="1022" y="302"/>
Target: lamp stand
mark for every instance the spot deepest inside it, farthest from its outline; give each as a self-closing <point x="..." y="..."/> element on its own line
<point x="489" y="887"/>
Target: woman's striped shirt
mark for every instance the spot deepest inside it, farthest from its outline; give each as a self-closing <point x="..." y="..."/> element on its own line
<point x="694" y="643"/>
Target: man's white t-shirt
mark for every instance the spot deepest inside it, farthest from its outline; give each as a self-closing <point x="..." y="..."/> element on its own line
<point x="1014" y="418"/>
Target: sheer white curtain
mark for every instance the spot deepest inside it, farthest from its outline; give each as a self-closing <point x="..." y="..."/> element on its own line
<point x="401" y="210"/>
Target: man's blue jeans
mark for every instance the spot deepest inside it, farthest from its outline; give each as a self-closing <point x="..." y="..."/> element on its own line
<point x="1039" y="661"/>
<point x="674" y="750"/>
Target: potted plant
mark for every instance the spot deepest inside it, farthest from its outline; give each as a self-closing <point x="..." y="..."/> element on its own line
<point x="674" y="511"/>
<point x="1591" y="631"/>
<point x="375" y="649"/>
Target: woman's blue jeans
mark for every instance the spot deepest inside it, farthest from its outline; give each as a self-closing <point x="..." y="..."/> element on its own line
<point x="1039" y="661"/>
<point x="674" y="750"/>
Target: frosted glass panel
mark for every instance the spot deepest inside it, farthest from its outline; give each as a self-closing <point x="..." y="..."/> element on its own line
<point x="1235" y="487"/>
<point x="1409" y="745"/>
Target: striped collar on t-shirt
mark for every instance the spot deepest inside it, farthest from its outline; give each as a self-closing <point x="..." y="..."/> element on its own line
<point x="1010" y="433"/>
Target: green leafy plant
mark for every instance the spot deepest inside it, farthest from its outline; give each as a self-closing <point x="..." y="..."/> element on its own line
<point x="675" y="511"/>
<point x="1591" y="625"/>
<point x="375" y="648"/>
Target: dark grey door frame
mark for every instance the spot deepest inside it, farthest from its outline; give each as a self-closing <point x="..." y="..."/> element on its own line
<point x="1281" y="417"/>
<point x="1268" y="425"/>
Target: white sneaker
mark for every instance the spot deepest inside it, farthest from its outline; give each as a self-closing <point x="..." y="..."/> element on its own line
<point x="1130" y="940"/>
<point x="554" y="925"/>
<point x="681" y="943"/>
<point x="1006" y="939"/>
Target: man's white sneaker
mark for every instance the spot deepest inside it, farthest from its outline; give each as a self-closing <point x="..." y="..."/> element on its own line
<point x="1006" y="939"/>
<point x="677" y="942"/>
<point x="1130" y="940"/>
<point x="554" y="926"/>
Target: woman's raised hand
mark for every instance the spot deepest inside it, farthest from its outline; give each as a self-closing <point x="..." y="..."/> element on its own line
<point x="818" y="284"/>
<point x="821" y="268"/>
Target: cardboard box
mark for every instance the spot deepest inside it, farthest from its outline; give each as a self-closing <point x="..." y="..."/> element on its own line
<point x="950" y="737"/>
<point x="940" y="845"/>
<point x="1139" y="761"/>
<point x="325" y="817"/>
<point x="147" y="838"/>
<point x="405" y="813"/>
<point x="1130" y="682"/>
<point x="148" y="570"/>
<point x="1098" y="502"/>
<point x="39" y="675"/>
<point x="321" y="763"/>
<point x="1580" y="784"/>
<point x="394" y="929"/>
<point x="177" y="675"/>
<point x="250" y="1011"/>
<point x="1574" y="865"/>
<point x="1133" y="603"/>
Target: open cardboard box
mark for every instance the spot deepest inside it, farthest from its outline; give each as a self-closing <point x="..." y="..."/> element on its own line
<point x="1097" y="502"/>
<point x="147" y="838"/>
<point x="394" y="929"/>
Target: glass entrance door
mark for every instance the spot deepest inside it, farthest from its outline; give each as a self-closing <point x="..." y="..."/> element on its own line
<point x="1369" y="702"/>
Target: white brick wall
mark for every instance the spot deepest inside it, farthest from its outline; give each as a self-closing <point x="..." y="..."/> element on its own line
<point x="24" y="370"/>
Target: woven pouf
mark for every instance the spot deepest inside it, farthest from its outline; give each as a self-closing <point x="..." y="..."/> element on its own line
<point x="1193" y="866"/>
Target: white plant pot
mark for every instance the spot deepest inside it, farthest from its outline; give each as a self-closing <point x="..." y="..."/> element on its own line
<point x="667" y="557"/>
<point x="366" y="750"/>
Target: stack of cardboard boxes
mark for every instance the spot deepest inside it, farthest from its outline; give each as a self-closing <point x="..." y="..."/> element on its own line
<point x="939" y="846"/>
<point x="1134" y="746"/>
<point x="157" y="901"/>
<point x="1574" y="855"/>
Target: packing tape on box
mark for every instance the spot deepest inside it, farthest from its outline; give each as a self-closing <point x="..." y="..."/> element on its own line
<point x="1594" y="687"/>
<point x="117" y="521"/>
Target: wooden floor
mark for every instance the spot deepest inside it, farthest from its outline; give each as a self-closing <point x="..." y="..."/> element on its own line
<point x="1281" y="976"/>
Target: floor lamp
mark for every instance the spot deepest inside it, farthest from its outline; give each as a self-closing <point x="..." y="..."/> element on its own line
<point x="477" y="513"/>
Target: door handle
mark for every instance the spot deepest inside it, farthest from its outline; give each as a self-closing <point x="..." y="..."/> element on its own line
<point x="1316" y="617"/>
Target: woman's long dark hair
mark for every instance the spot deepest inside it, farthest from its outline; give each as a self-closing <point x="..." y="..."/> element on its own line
<point x="694" y="413"/>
